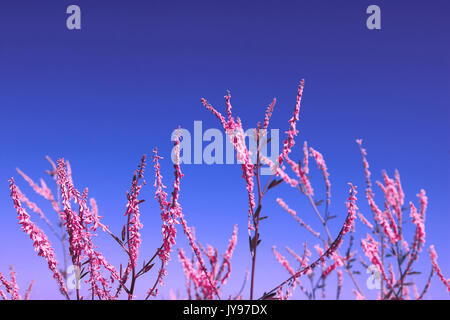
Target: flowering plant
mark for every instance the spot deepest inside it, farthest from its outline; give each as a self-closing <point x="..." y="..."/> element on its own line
<point x="78" y="220"/>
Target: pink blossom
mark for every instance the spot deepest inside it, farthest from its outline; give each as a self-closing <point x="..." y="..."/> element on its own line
<point x="42" y="190"/>
<point x="305" y="158"/>
<point x="393" y="197"/>
<point x="351" y="209"/>
<point x="323" y="167"/>
<point x="370" y="248"/>
<point x="423" y="203"/>
<point x="282" y="260"/>
<point x="269" y="114"/>
<point x="33" y="206"/>
<point x="199" y="277"/>
<point x="80" y="241"/>
<point x="381" y="219"/>
<point x="365" y="164"/>
<point x="398" y="185"/>
<point x="15" y="295"/>
<point x="418" y="220"/>
<point x="275" y="168"/>
<point x="348" y="224"/>
<point x="170" y="211"/>
<point x="338" y="261"/>
<point x="294" y="214"/>
<point x="364" y="220"/>
<point x="358" y="295"/>
<point x="303" y="261"/>
<point x="236" y="133"/>
<point x="8" y="285"/>
<point x="320" y="251"/>
<point x="40" y="241"/>
<point x="292" y="132"/>
<point x="228" y="254"/>
<point x="436" y="268"/>
<point x="133" y="213"/>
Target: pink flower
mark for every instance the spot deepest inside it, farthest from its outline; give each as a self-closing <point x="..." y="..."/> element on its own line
<point x="365" y="164"/>
<point x="370" y="248"/>
<point x="294" y="214"/>
<point x="282" y="260"/>
<point x="15" y="295"/>
<point x="338" y="261"/>
<point x="199" y="277"/>
<point x="171" y="210"/>
<point x="417" y="219"/>
<point x="358" y="295"/>
<point x="323" y="167"/>
<point x="303" y="261"/>
<point x="236" y="133"/>
<point x="275" y="168"/>
<point x="292" y="132"/>
<point x="80" y="240"/>
<point x="229" y="253"/>
<point x="436" y="268"/>
<point x="40" y="241"/>
<point x="269" y="114"/>
<point x="305" y="157"/>
<point x="42" y="190"/>
<point x="35" y="208"/>
<point x="381" y="219"/>
<point x="9" y="287"/>
<point x="133" y="213"/>
<point x="364" y="220"/>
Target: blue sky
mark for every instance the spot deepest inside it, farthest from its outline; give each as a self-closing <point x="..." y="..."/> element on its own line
<point x="106" y="94"/>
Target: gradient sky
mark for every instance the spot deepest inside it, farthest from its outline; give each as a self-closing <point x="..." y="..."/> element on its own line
<point x="104" y="95"/>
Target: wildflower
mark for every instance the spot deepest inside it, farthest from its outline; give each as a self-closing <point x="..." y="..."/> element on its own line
<point x="358" y="295"/>
<point x="436" y="268"/>
<point x="235" y="131"/>
<point x="364" y="220"/>
<point x="305" y="158"/>
<point x="269" y="114"/>
<point x="133" y="213"/>
<point x="275" y="168"/>
<point x="40" y="242"/>
<point x="323" y="167"/>
<point x="294" y="214"/>
<point x="417" y="219"/>
<point x="229" y="253"/>
<point x="303" y="261"/>
<point x="292" y="132"/>
<point x="370" y="248"/>
<point x="282" y="260"/>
